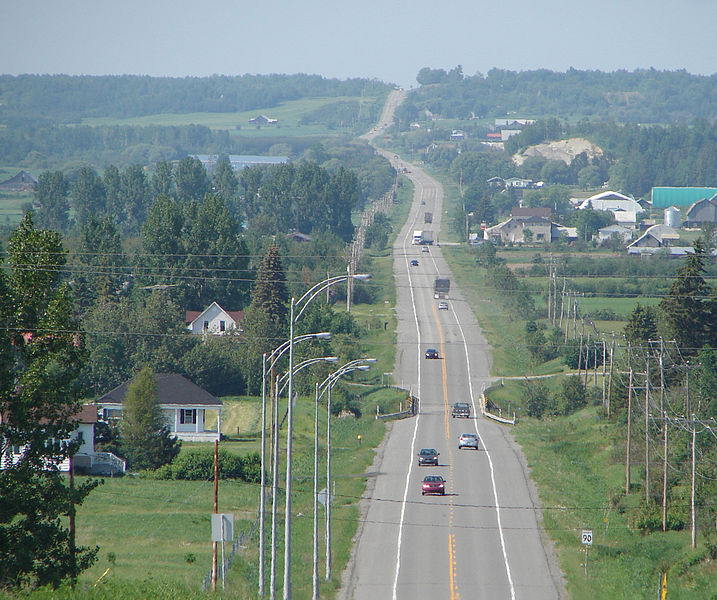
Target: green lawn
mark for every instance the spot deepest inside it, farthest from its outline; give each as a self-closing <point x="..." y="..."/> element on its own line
<point x="288" y="114"/>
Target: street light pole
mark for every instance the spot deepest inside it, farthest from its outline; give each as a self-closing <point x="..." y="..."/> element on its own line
<point x="315" y="577"/>
<point x="297" y="309"/>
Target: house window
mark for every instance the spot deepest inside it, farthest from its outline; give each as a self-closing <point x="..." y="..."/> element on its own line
<point x="188" y="416"/>
<point x="222" y="325"/>
<point x="206" y="325"/>
<point x="540" y="236"/>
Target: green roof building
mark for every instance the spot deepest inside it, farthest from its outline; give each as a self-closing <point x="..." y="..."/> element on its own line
<point x="662" y="197"/>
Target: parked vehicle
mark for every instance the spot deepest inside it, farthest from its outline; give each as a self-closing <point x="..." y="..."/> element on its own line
<point x="468" y="440"/>
<point x="461" y="410"/>
<point x="428" y="456"/>
<point x="433" y="484"/>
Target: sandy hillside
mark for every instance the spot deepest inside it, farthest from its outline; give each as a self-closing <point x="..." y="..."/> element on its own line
<point x="564" y="150"/>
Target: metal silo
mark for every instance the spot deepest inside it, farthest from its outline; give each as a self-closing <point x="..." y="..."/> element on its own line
<point x="673" y="217"/>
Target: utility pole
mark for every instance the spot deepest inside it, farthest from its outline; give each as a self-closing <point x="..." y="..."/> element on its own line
<point x="609" y="384"/>
<point x="587" y="355"/>
<point x="688" y="412"/>
<point x="562" y="305"/>
<point x="629" y="431"/>
<point x="550" y="285"/>
<point x="216" y="510"/>
<point x="604" y="375"/>
<point x="664" y="435"/>
<point x="647" y="425"/>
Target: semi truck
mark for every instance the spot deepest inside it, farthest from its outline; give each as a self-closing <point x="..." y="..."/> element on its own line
<point x="422" y="236"/>
<point x="441" y="287"/>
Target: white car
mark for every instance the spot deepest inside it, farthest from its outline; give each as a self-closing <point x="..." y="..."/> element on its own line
<point x="468" y="440"/>
<point x="443" y="306"/>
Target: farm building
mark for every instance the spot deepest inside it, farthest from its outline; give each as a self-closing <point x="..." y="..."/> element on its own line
<point x="662" y="197"/>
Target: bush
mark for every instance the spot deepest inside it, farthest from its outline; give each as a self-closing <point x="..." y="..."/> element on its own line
<point x="199" y="466"/>
<point x="537" y="399"/>
<point x="572" y="395"/>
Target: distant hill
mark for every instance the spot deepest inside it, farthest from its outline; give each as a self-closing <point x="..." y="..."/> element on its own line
<point x="67" y="99"/>
<point x="641" y="96"/>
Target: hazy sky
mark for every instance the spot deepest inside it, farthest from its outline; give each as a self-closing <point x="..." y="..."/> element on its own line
<point x="385" y="39"/>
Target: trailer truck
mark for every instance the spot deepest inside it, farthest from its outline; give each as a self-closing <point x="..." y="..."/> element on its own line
<point x="441" y="287"/>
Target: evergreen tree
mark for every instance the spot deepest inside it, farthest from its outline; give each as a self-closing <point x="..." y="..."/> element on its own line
<point x="641" y="325"/>
<point x="686" y="311"/>
<point x="146" y="441"/>
<point x="270" y="294"/>
<point x="51" y="194"/>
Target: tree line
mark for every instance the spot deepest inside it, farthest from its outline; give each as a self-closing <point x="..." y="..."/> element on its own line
<point x="642" y="95"/>
<point x="68" y="99"/>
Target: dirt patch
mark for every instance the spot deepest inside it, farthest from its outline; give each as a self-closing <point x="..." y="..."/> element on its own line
<point x="565" y="150"/>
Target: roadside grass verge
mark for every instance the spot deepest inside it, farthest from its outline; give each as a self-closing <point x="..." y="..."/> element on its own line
<point x="580" y="478"/>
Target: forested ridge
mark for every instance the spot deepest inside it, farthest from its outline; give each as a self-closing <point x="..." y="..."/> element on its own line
<point x="643" y="95"/>
<point x="66" y="98"/>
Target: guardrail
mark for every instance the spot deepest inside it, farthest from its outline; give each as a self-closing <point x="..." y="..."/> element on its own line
<point x="483" y="401"/>
<point x="411" y="409"/>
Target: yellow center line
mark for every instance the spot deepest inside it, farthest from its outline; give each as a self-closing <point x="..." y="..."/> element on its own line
<point x="447" y="421"/>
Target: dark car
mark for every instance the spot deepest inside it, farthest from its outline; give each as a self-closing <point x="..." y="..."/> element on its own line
<point x="461" y="410"/>
<point x="468" y="440"/>
<point x="428" y="456"/>
<point x="433" y="484"/>
<point x="414" y="263"/>
<point x="431" y="353"/>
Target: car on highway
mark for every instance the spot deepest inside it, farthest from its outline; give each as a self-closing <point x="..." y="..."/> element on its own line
<point x="468" y="440"/>
<point x="425" y="249"/>
<point x="461" y="410"/>
<point x="431" y="353"/>
<point x="428" y="456"/>
<point x="433" y="484"/>
<point x="443" y="306"/>
<point x="414" y="263"/>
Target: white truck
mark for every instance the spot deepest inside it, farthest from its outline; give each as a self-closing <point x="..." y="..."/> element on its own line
<point x="417" y="237"/>
<point x="422" y="236"/>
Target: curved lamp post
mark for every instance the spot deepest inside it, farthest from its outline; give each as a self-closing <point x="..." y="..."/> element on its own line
<point x="270" y="360"/>
<point x="297" y="309"/>
<point x="321" y="388"/>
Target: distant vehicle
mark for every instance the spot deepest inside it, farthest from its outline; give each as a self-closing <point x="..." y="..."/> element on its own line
<point x="414" y="263"/>
<point x="441" y="287"/>
<point x="461" y="410"/>
<point x="428" y="456"/>
<point x="425" y="249"/>
<point x="431" y="353"/>
<point x="417" y="237"/>
<point x="443" y="306"/>
<point x="468" y="440"/>
<point x="433" y="484"/>
<point x="427" y="236"/>
<point x="428" y="217"/>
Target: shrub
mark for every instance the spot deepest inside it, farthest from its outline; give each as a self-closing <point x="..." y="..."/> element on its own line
<point x="199" y="466"/>
<point x="537" y="399"/>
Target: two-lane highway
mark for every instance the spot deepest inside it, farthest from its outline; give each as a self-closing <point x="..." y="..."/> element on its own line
<point x="483" y="538"/>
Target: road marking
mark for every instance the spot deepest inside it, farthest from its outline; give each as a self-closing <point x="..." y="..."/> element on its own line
<point x="447" y="421"/>
<point x="490" y="461"/>
<point x="418" y="417"/>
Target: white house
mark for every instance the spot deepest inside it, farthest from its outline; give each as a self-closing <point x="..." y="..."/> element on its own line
<point x="188" y="409"/>
<point x="86" y="459"/>
<point x="214" y="320"/>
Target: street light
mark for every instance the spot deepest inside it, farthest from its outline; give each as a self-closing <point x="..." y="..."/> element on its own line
<point x="299" y="306"/>
<point x="321" y="388"/>
<point x="279" y="387"/>
<point x="272" y="358"/>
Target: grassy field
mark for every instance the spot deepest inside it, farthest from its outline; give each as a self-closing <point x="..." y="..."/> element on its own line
<point x="288" y="114"/>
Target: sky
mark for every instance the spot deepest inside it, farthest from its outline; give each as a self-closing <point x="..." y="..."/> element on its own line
<point x="389" y="40"/>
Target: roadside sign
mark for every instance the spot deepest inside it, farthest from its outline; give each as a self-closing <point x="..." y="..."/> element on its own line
<point x="587" y="537"/>
<point x="222" y="527"/>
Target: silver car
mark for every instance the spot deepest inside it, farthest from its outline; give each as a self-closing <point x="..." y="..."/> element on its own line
<point x="443" y="306"/>
<point x="468" y="440"/>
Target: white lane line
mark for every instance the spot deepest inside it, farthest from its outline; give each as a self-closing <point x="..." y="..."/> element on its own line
<point x="418" y="416"/>
<point x="490" y="460"/>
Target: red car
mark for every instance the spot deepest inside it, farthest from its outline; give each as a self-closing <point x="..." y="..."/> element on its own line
<point x="433" y="484"/>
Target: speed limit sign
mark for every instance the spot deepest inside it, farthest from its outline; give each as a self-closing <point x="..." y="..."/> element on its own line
<point x="587" y="537"/>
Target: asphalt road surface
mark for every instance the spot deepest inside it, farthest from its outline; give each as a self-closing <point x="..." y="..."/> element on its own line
<point x="483" y="539"/>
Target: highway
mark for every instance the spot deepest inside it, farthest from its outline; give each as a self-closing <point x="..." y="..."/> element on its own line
<point x="483" y="539"/>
